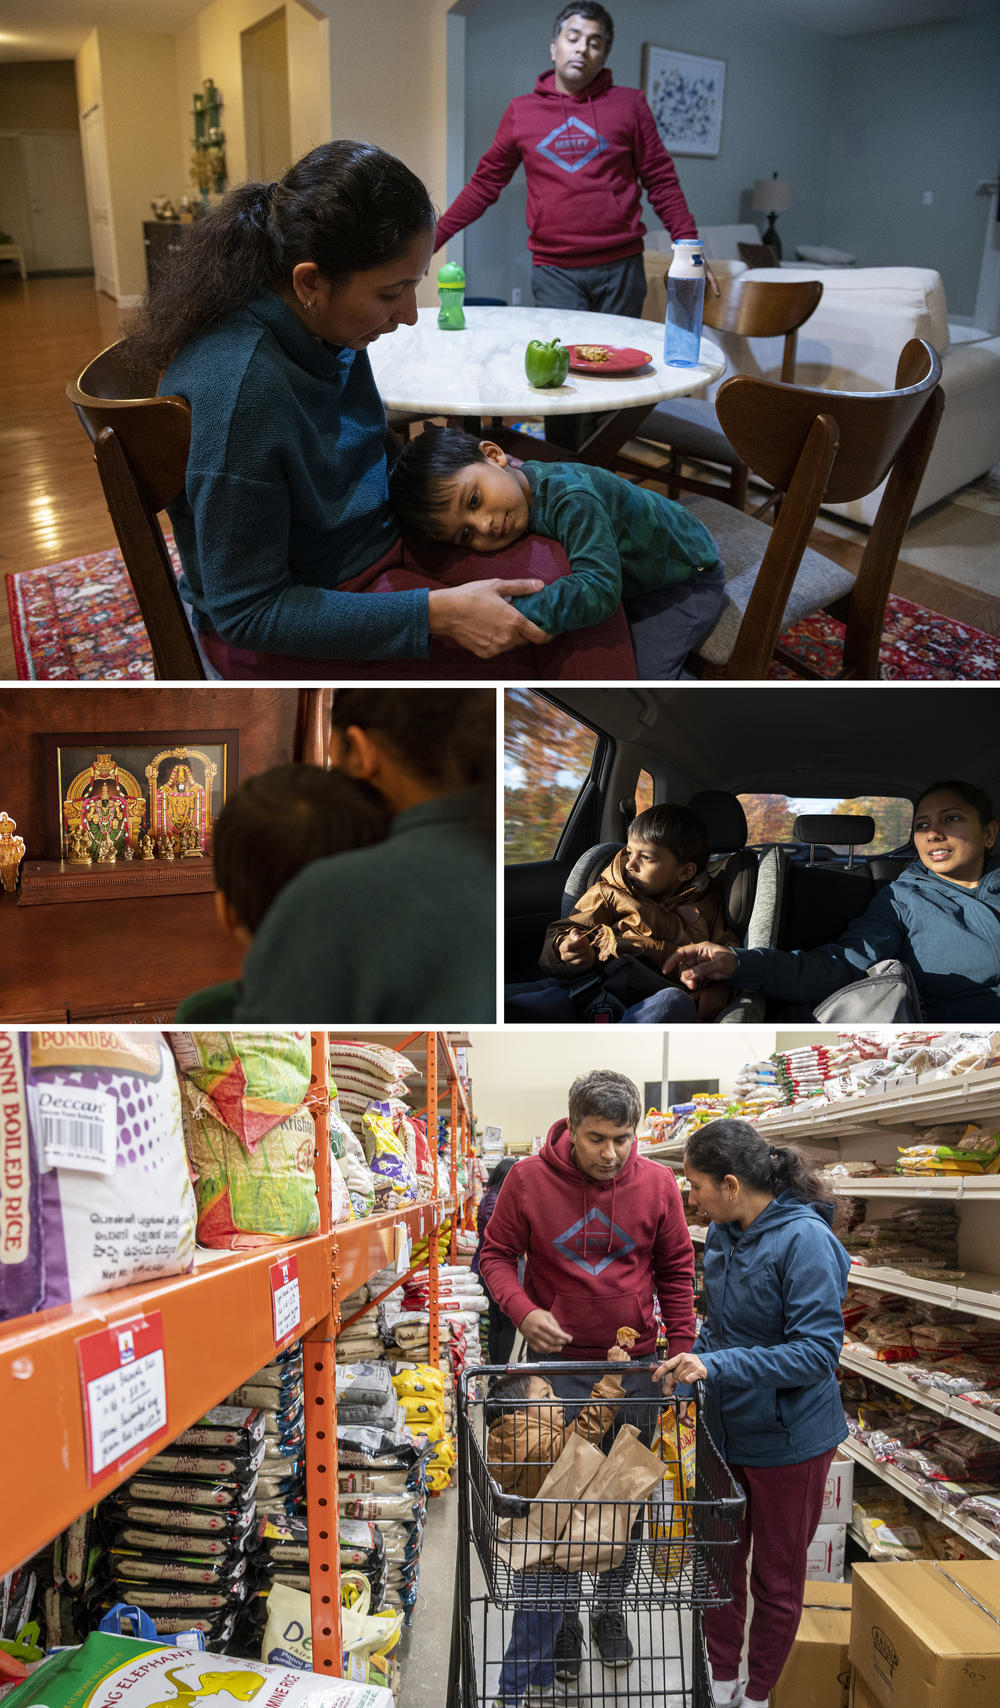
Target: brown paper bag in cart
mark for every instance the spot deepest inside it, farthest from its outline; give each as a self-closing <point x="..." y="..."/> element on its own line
<point x="527" y="1542"/>
<point x="597" y="1534"/>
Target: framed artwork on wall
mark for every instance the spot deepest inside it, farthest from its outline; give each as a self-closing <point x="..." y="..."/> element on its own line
<point x="685" y="94"/>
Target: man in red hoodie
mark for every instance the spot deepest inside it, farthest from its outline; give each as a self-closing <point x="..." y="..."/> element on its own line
<point x="586" y="147"/>
<point x="603" y="1230"/>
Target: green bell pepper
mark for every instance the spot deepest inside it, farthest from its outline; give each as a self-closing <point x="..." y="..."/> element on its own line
<point x="546" y="364"/>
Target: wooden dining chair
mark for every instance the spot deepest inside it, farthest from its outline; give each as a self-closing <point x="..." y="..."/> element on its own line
<point x="815" y="446"/>
<point x="141" y="446"/>
<point x="689" y="428"/>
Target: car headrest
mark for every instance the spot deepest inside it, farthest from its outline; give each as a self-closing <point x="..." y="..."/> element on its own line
<point x="840" y="828"/>
<point x="726" y="820"/>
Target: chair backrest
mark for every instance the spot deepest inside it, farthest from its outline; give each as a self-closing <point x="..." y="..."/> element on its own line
<point x="141" y="444"/>
<point x="822" y="446"/>
<point x="765" y="308"/>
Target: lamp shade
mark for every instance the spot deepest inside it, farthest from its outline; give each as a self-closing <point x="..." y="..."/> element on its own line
<point x="772" y="195"/>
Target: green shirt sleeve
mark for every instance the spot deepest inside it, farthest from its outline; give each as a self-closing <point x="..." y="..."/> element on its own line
<point x="593" y="591"/>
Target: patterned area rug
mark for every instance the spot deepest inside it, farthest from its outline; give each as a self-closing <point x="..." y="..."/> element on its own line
<point x="77" y="621"/>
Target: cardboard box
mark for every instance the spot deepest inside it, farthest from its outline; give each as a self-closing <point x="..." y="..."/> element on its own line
<point x="926" y="1633"/>
<point x="816" y="1673"/>
<point x="838" y="1495"/>
<point x="861" y="1696"/>
<point x="825" y="1559"/>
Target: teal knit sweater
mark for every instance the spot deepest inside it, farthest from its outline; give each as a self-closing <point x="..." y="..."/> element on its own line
<point x="621" y="540"/>
<point x="286" y="495"/>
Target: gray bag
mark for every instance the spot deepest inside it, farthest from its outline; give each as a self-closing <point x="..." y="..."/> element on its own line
<point x="887" y="993"/>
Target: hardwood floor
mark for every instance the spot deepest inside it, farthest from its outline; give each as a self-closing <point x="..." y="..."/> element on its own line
<point x="50" y="499"/>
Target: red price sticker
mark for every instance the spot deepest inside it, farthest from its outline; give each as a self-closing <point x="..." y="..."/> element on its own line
<point x="123" y="1377"/>
<point x="285" y="1301"/>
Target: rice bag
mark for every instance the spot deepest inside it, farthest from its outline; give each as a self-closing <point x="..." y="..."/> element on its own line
<point x="254" y="1080"/>
<point x="94" y="1189"/>
<point x="395" y="1180"/>
<point x="107" y="1670"/>
<point x="250" y="1197"/>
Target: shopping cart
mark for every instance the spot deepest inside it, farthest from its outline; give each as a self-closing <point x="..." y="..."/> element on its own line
<point x="527" y="1562"/>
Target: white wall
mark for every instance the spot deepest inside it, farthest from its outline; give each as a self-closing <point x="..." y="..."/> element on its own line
<point x="520" y="1077"/>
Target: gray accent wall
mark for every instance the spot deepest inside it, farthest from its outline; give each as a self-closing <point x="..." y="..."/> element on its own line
<point x="862" y="126"/>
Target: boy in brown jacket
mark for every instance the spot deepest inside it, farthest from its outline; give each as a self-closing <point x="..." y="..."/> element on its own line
<point x="528" y="1431"/>
<point x="650" y="900"/>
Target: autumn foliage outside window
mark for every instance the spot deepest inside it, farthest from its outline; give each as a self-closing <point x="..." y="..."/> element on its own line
<point x="770" y="818"/>
<point x="547" y="758"/>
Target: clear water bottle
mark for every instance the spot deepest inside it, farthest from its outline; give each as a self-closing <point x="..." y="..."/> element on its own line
<point x="685" y="301"/>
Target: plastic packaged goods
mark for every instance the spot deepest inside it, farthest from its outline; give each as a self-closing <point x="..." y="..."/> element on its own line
<point x="94" y="1189"/>
<point x="253" y="1080"/>
<point x="394" y="1179"/>
<point x="250" y="1196"/>
<point x="107" y="1670"/>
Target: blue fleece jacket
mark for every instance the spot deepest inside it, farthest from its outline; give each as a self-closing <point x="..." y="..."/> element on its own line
<point x="286" y="496"/>
<point x="948" y="936"/>
<point x="773" y="1334"/>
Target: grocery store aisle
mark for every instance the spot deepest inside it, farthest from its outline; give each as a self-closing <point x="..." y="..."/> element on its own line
<point x="425" y="1646"/>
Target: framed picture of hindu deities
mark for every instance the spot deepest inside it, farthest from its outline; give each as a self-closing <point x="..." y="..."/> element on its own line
<point x="131" y="812"/>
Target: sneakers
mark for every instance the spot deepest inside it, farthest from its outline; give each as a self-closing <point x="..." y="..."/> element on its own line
<point x="612" y="1640"/>
<point x="541" y="1693"/>
<point x="568" y="1653"/>
<point x="727" y="1693"/>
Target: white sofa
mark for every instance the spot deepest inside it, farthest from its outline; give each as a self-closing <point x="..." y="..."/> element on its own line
<point x="852" y="343"/>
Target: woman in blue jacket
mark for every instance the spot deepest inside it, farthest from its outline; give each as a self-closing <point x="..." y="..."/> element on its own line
<point x="940" y="918"/>
<point x="775" y="1277"/>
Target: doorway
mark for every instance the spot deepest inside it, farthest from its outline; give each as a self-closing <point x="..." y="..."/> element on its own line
<point x="44" y="190"/>
<point x="266" y="110"/>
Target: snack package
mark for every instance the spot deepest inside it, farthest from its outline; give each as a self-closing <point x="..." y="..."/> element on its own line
<point x="107" y="1670"/>
<point x="262" y="1195"/>
<point x="94" y="1190"/>
<point x="253" y="1080"/>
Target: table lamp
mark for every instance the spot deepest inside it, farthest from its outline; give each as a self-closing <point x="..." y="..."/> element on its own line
<point x="772" y="196"/>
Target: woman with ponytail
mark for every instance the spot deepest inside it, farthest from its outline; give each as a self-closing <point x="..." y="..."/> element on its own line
<point x="775" y="1278"/>
<point x="261" y="320"/>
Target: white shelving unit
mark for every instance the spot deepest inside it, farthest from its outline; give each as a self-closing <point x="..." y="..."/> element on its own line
<point x="874" y="1126"/>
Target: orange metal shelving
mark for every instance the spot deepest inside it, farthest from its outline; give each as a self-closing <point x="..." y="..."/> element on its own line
<point x="217" y="1330"/>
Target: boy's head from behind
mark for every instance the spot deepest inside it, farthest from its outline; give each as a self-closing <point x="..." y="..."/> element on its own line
<point x="279" y="821"/>
<point x="667" y="847"/>
<point x="448" y="485"/>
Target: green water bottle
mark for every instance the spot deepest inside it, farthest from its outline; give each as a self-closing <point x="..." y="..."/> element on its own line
<point x="451" y="290"/>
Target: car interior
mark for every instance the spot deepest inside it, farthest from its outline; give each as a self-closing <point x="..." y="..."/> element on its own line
<point x="580" y="762"/>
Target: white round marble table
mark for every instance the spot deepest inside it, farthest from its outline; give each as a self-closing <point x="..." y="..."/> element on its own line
<point x="479" y="372"/>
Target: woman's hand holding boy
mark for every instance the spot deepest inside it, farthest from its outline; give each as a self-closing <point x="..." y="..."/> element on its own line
<point x="700" y="963"/>
<point x="478" y="616"/>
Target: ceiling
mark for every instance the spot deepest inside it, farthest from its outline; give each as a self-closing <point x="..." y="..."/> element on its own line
<point x="56" y="29"/>
<point x="845" y="739"/>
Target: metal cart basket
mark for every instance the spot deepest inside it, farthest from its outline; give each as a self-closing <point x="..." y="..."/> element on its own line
<point x="537" y="1549"/>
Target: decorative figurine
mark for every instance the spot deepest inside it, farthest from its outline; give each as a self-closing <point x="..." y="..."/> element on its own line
<point x="78" y="847"/>
<point x="165" y="848"/>
<point x="129" y="851"/>
<point x="146" y="850"/>
<point x="11" y="852"/>
<point x="106" y="854"/>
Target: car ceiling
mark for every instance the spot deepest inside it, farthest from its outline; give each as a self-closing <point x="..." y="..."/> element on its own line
<point x="830" y="741"/>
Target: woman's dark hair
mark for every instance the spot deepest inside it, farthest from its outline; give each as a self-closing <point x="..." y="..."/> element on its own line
<point x="282" y="819"/>
<point x="678" y="829"/>
<point x="735" y="1147"/>
<point x="420" y="479"/>
<point x="975" y="798"/>
<point x="608" y="1095"/>
<point x="347" y="206"/>
<point x="445" y="736"/>
<point x="499" y="1172"/>
<point x="588" y="9"/>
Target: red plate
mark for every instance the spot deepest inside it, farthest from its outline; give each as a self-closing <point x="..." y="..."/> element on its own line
<point x="619" y="361"/>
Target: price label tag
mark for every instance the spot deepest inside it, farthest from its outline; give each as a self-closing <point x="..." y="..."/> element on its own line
<point x="123" y="1377"/>
<point x="286" y="1304"/>
<point x="403" y="1248"/>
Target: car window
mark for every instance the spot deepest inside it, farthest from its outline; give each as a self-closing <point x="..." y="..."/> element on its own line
<point x="547" y="758"/>
<point x="770" y="818"/>
<point x="645" y="795"/>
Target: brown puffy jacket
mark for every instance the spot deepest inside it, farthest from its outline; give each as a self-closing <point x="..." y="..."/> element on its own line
<point x="526" y="1441"/>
